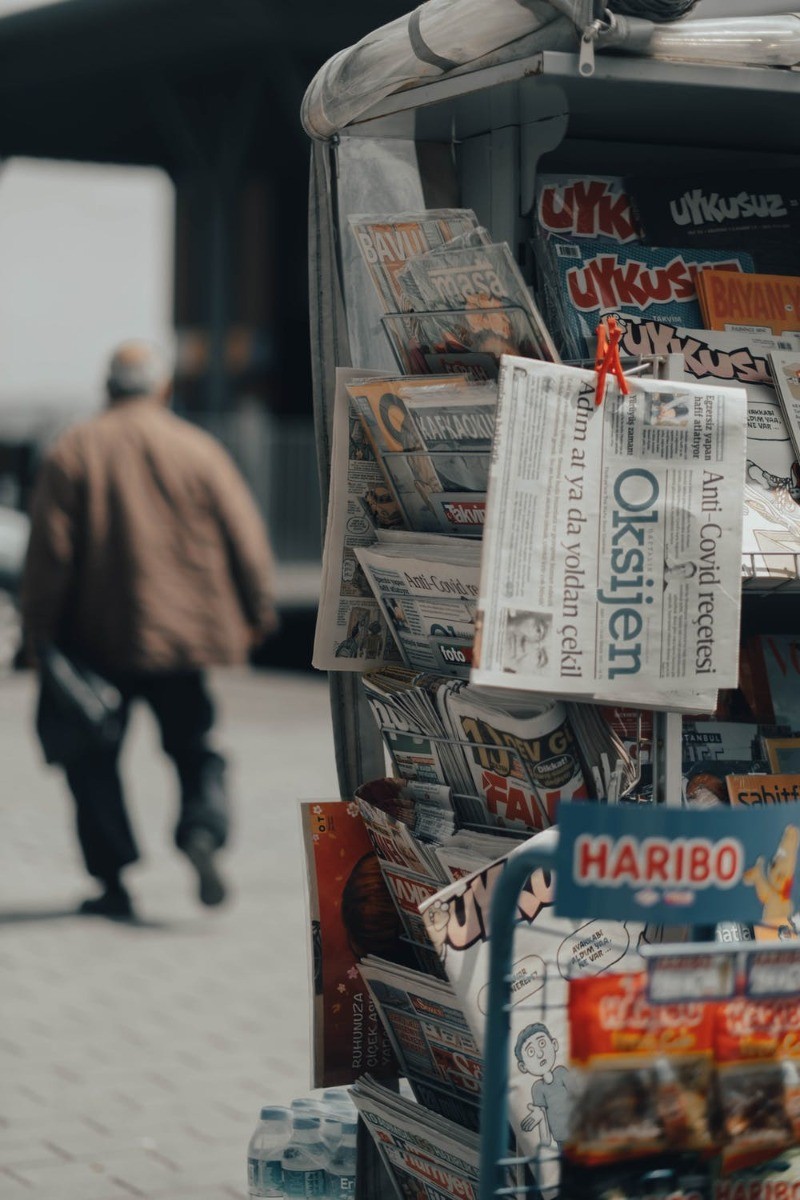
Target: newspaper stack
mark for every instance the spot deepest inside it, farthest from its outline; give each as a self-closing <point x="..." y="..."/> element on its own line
<point x="508" y="761"/>
<point x="353" y="628"/>
<point x="431" y="1038"/>
<point x="404" y="830"/>
<point x="612" y="549"/>
<point x="453" y="301"/>
<point x="591" y="262"/>
<point x="411" y="828"/>
<point x="426" y="1155"/>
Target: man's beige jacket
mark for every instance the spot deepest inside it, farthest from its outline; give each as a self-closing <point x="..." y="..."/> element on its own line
<point x="147" y="552"/>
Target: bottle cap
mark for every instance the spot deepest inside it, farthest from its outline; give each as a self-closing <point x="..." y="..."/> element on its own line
<point x="306" y="1122"/>
<point x="274" y="1113"/>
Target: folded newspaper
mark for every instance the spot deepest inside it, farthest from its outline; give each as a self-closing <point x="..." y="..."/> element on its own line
<point x="431" y="1038"/>
<point x="351" y="632"/>
<point x="427" y="1156"/>
<point x="612" y="547"/>
<point x="427" y="591"/>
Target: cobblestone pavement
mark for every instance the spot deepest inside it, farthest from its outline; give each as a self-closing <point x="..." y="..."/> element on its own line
<point x="134" y="1058"/>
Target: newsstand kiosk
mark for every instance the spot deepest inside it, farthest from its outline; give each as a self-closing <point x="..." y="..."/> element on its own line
<point x="455" y="106"/>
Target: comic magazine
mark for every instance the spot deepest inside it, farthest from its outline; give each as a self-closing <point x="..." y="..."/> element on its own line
<point x="584" y="206"/>
<point x="771" y="542"/>
<point x="344" y="884"/>
<point x="724" y="209"/>
<point x="547" y="952"/>
<point x="600" y="277"/>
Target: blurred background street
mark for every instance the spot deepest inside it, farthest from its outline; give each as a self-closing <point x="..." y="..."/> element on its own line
<point x="134" y="1058"/>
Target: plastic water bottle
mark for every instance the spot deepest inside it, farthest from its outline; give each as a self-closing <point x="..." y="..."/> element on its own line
<point x="331" y="1128"/>
<point x="341" y="1171"/>
<point x="265" y="1152"/>
<point x="305" y="1159"/>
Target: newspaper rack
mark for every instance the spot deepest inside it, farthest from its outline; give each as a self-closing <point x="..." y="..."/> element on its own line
<point x="466" y="801"/>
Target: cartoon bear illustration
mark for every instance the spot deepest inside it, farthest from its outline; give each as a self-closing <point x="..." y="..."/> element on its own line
<point x="773" y="881"/>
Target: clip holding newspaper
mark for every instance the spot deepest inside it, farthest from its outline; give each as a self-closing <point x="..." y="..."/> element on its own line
<point x="612" y="546"/>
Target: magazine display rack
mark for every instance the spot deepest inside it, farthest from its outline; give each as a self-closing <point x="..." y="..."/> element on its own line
<point x="474" y="139"/>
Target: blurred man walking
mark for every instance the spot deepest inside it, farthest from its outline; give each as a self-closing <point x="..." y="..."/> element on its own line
<point x="148" y="561"/>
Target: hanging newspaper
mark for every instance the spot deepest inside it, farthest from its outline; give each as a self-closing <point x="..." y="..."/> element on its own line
<point x="351" y="633"/>
<point x="612" y="547"/>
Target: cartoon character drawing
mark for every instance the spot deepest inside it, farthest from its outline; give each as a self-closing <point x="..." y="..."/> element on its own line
<point x="773" y="881"/>
<point x="536" y="1051"/>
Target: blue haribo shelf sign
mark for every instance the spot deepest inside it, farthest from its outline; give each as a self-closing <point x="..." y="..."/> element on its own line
<point x="674" y="866"/>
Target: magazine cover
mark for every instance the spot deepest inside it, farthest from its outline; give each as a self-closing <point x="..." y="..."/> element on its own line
<point x="757" y="209"/>
<point x="599" y="277"/>
<point x="484" y="280"/>
<point x="351" y="915"/>
<point x="771" y="534"/>
<point x="584" y="206"/>
<point x="388" y="241"/>
<point x="447" y="343"/>
<point x="547" y="952"/>
<point x="765" y="303"/>
<point x="521" y="764"/>
<point x="410" y="471"/>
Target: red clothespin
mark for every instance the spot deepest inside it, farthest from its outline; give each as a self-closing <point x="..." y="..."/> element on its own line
<point x="609" y="335"/>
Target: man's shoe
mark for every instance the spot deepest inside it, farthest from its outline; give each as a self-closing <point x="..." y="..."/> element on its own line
<point x="200" y="848"/>
<point x="114" y="903"/>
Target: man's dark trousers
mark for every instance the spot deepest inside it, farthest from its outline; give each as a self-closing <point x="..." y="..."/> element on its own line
<point x="185" y="714"/>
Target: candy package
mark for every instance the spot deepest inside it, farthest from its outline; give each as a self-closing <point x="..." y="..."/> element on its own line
<point x="644" y="1072"/>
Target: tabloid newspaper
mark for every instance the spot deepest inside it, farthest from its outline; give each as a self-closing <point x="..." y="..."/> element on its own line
<point x="427" y="591"/>
<point x="771" y="536"/>
<point x="388" y="241"/>
<point x="612" y="548"/>
<point x="431" y="1037"/>
<point x="431" y="436"/>
<point x="347" y="1035"/>
<point x="547" y="952"/>
<point x="427" y="1156"/>
<point x="351" y="633"/>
